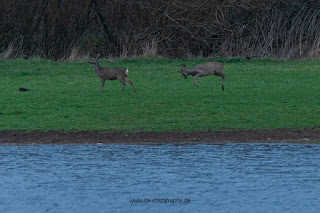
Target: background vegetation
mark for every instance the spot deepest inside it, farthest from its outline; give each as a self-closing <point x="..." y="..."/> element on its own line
<point x="259" y="94"/>
<point x="68" y="29"/>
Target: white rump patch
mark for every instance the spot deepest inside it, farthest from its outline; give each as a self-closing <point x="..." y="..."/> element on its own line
<point x="127" y="71"/>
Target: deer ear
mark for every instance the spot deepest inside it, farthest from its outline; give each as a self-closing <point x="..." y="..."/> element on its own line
<point x="183" y="66"/>
<point x="98" y="55"/>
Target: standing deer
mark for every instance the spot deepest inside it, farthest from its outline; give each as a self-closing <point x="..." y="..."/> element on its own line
<point x="204" y="69"/>
<point x="111" y="73"/>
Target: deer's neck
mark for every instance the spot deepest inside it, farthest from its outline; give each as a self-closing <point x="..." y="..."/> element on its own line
<point x="191" y="71"/>
<point x="97" y="68"/>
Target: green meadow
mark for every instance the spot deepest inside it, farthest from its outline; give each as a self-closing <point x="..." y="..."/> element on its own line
<point x="259" y="94"/>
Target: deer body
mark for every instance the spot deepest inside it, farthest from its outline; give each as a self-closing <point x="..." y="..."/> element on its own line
<point x="111" y="73"/>
<point x="209" y="68"/>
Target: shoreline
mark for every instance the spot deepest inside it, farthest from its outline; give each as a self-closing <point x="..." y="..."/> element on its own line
<point x="281" y="135"/>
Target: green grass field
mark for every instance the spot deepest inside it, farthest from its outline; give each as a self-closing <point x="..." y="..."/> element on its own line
<point x="259" y="94"/>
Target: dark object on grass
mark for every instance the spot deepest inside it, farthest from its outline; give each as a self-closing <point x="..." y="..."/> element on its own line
<point x="23" y="89"/>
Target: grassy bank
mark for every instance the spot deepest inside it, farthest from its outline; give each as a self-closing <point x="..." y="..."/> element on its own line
<point x="259" y="94"/>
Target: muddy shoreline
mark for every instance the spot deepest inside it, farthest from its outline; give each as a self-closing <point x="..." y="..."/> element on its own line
<point x="306" y="135"/>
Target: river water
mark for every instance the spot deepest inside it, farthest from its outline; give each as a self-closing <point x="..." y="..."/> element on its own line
<point x="235" y="177"/>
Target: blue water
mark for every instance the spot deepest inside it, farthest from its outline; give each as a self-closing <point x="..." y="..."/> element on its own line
<point x="160" y="178"/>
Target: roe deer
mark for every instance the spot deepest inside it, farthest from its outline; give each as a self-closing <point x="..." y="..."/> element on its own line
<point x="111" y="73"/>
<point x="204" y="69"/>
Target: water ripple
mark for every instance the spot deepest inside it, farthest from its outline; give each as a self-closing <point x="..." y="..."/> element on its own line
<point x="204" y="177"/>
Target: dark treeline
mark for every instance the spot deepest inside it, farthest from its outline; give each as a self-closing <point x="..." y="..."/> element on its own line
<point x="61" y="29"/>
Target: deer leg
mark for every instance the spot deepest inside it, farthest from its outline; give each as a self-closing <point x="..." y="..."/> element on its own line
<point x="195" y="80"/>
<point x="223" y="82"/>
<point x="223" y="76"/>
<point x="102" y="84"/>
<point x="130" y="82"/>
<point x="123" y="83"/>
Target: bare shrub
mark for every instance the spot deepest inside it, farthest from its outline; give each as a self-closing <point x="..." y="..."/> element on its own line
<point x="8" y="52"/>
<point x="170" y="28"/>
<point x="150" y="49"/>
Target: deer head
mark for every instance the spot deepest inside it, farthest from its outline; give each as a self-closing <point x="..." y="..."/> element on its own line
<point x="94" y="60"/>
<point x="183" y="71"/>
